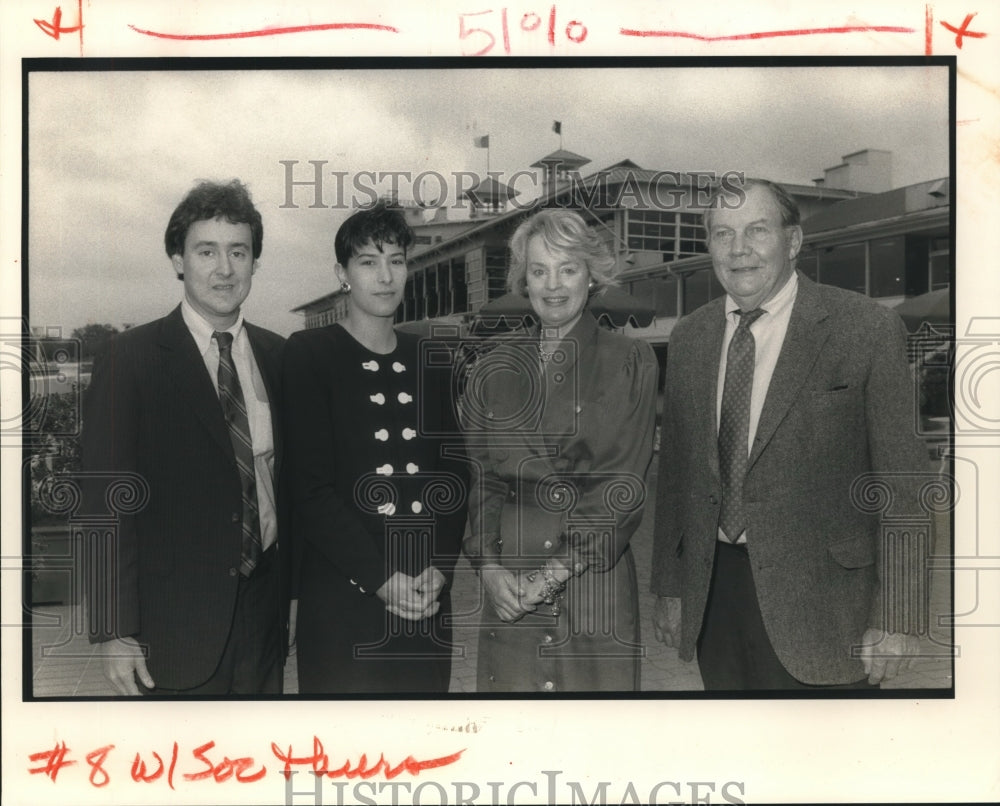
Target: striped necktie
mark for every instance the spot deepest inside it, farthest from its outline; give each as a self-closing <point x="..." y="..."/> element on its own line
<point x="235" y="410"/>
<point x="734" y="424"/>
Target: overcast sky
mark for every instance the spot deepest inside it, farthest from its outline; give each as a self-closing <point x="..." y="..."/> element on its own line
<point x="112" y="153"/>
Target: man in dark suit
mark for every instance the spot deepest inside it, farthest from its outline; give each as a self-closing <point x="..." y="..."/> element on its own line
<point x="189" y="595"/>
<point x="778" y="398"/>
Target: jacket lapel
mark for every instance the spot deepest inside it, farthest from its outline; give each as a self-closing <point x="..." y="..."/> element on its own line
<point x="807" y="333"/>
<point x="187" y="371"/>
<point x="705" y="385"/>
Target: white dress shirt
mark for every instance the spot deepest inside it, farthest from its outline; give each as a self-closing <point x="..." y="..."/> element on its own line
<point x="769" y="334"/>
<point x="258" y="409"/>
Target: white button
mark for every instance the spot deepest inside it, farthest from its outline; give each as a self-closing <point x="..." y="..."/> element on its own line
<point x="362" y="590"/>
<point x="387" y="509"/>
<point x="417" y="507"/>
<point x="382" y="435"/>
<point x="549" y="685"/>
<point x="353" y="582"/>
<point x="378" y="399"/>
<point x="370" y="365"/>
<point x="412" y="468"/>
<point x="547" y="544"/>
<point x="397" y="367"/>
<point x="548" y="639"/>
<point x="409" y="433"/>
<point x="385" y="470"/>
<point x="579" y="409"/>
<point x="403" y="397"/>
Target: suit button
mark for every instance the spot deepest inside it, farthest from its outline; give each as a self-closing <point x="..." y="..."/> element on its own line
<point x="547" y="544"/>
<point x="548" y="639"/>
<point x="233" y="572"/>
<point x="512" y="495"/>
<point x="549" y="685"/>
<point x="713" y="500"/>
<point x="236" y="517"/>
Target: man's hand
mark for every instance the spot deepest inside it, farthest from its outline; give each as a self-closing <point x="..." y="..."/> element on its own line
<point x="667" y="620"/>
<point x="885" y="655"/>
<point x="123" y="659"/>
<point x="502" y="591"/>
<point x="403" y="596"/>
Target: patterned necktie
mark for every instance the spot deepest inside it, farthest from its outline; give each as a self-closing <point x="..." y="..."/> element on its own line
<point x="734" y="424"/>
<point x="235" y="410"/>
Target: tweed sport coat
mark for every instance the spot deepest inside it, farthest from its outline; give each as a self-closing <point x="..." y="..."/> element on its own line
<point x="151" y="409"/>
<point x="839" y="405"/>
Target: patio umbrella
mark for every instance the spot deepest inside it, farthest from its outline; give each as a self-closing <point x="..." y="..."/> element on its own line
<point x="610" y="305"/>
<point x="934" y="308"/>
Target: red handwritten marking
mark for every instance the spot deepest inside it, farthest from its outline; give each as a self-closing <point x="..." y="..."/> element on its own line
<point x="320" y="762"/>
<point x="96" y="761"/>
<point x="928" y="29"/>
<point x="295" y="29"/>
<point x="173" y="764"/>
<point x="55" y="28"/>
<point x="139" y="768"/>
<point x="576" y="31"/>
<point x="963" y="30"/>
<point x="55" y="759"/>
<point x="852" y="29"/>
<point x="225" y="769"/>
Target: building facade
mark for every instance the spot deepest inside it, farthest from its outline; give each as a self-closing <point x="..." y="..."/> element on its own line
<point x="860" y="233"/>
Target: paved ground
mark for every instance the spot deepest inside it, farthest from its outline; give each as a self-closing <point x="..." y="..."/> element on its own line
<point x="64" y="665"/>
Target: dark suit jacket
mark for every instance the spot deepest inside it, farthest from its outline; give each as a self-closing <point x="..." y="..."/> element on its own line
<point x="839" y="405"/>
<point x="151" y="409"/>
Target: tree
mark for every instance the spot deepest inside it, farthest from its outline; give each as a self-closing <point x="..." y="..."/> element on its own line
<point x="93" y="338"/>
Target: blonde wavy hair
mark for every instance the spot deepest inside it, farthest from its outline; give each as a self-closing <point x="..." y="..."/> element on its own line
<point x="562" y="231"/>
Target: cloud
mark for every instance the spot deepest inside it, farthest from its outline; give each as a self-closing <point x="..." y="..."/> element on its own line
<point x="113" y="152"/>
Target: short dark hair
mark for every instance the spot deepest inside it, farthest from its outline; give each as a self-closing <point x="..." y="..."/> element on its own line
<point x="790" y="215"/>
<point x="211" y="200"/>
<point x="381" y="223"/>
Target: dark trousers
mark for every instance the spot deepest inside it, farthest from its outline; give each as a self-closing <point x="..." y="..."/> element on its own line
<point x="734" y="652"/>
<point x="251" y="662"/>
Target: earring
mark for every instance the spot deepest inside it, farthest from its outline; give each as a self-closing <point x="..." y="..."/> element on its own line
<point x="590" y="287"/>
<point x="345" y="287"/>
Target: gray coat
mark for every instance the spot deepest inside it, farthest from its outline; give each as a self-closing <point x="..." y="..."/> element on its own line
<point x="558" y="469"/>
<point x="840" y="404"/>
